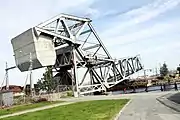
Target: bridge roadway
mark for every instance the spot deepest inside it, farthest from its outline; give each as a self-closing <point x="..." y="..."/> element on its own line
<point x="143" y="106"/>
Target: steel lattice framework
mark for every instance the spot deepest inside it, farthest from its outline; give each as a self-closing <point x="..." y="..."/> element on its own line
<point x="78" y="47"/>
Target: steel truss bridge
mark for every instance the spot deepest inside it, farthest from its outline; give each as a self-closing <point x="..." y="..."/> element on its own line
<point x="75" y="51"/>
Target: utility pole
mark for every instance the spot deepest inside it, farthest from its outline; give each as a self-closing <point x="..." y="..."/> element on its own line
<point x="30" y="75"/>
<point x="144" y="74"/>
<point x="145" y="79"/>
<point x="156" y="71"/>
<point x="7" y="77"/>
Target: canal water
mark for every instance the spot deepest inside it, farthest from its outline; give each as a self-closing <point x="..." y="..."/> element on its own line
<point x="150" y="89"/>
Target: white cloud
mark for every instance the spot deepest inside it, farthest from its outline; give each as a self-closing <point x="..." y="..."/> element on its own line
<point x="142" y="14"/>
<point x="96" y="14"/>
<point x="134" y="26"/>
<point x="165" y="47"/>
<point x="158" y="28"/>
<point x="31" y="13"/>
<point x="154" y="10"/>
<point x="67" y="4"/>
<point x="92" y="13"/>
<point x="116" y="35"/>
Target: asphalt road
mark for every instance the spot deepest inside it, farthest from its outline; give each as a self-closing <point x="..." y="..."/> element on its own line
<point x="148" y="108"/>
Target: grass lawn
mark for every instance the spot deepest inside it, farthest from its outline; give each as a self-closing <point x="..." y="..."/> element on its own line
<point x="89" y="110"/>
<point x="25" y="107"/>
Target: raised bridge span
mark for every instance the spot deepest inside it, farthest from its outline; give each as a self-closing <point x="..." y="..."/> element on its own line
<point x="71" y="45"/>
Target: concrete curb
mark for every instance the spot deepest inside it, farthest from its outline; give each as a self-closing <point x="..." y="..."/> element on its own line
<point x="168" y="103"/>
<point x="118" y="115"/>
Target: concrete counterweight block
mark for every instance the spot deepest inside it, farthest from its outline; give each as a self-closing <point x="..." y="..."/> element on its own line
<point x="31" y="46"/>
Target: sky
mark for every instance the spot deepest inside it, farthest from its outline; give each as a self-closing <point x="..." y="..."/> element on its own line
<point x="127" y="27"/>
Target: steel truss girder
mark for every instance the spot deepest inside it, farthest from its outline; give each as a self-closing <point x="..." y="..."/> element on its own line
<point x="66" y="32"/>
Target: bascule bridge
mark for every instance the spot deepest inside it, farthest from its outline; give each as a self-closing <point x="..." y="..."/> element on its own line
<point x="71" y="45"/>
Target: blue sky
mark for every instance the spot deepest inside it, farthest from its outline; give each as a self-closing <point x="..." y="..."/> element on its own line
<point x="127" y="27"/>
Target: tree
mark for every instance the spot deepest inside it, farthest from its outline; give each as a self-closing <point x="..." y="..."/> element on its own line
<point x="164" y="70"/>
<point x="46" y="82"/>
<point x="167" y="78"/>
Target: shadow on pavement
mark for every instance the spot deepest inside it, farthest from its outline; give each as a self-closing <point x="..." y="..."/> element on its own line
<point x="175" y="98"/>
<point x="171" y="100"/>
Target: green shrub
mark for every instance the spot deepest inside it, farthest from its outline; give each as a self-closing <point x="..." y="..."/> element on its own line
<point x="70" y="93"/>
